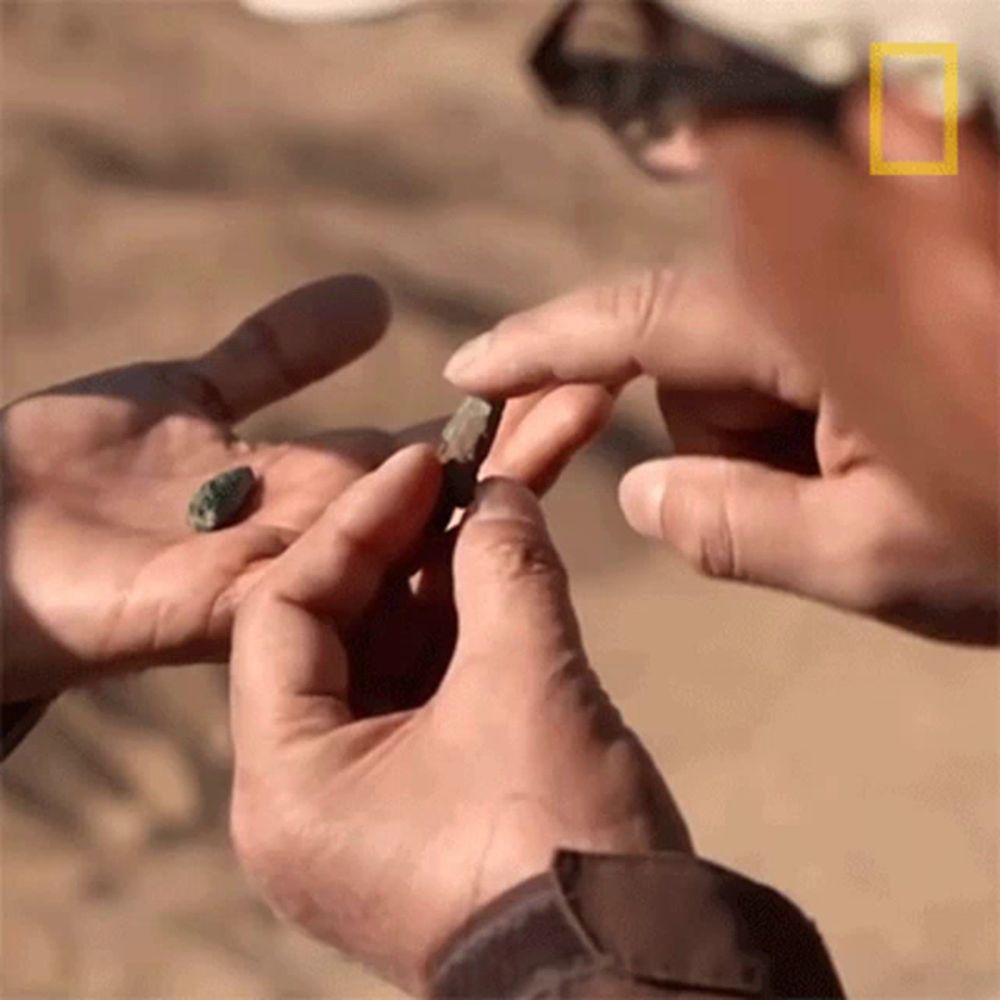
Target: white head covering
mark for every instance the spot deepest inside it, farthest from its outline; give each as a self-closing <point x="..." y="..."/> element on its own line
<point x="826" y="40"/>
<point x="322" y="10"/>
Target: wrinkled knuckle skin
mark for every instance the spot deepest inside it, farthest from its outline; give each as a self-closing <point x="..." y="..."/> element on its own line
<point x="514" y="557"/>
<point x="256" y="601"/>
<point x="252" y="609"/>
<point x="709" y="544"/>
<point x="633" y="300"/>
<point x="713" y="556"/>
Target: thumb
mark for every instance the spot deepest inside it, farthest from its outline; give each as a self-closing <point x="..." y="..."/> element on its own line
<point x="290" y="343"/>
<point x="511" y="588"/>
<point x="731" y="519"/>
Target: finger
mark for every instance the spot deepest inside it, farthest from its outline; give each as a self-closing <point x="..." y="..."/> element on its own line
<point x="900" y="257"/>
<point x="514" y="413"/>
<point x="288" y="662"/>
<point x="574" y="416"/>
<point x="587" y="336"/>
<point x="292" y="342"/>
<point x="511" y="589"/>
<point x="685" y="328"/>
<point x="403" y="652"/>
<point x="335" y="568"/>
<point x="539" y="435"/>
<point x="735" y="520"/>
<point x="408" y="648"/>
<point x="741" y="425"/>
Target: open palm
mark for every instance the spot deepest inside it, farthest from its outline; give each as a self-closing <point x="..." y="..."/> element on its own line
<point x="102" y="571"/>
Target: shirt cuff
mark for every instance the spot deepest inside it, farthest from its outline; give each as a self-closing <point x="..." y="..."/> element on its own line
<point x="666" y="923"/>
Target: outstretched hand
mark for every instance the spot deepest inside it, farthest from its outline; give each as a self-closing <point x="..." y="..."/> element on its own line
<point x="102" y="573"/>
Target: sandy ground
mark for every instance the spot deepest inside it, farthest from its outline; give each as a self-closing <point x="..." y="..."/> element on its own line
<point x="167" y="168"/>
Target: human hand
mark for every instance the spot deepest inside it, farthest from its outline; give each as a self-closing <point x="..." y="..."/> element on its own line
<point x="381" y="833"/>
<point x="889" y="286"/>
<point x="102" y="572"/>
<point x="769" y="484"/>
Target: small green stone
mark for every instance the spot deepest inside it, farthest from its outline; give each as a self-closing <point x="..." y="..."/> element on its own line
<point x="218" y="502"/>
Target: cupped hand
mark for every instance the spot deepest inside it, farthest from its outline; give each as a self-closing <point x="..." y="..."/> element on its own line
<point x="102" y="572"/>
<point x="887" y="285"/>
<point x="382" y="831"/>
<point x="768" y="484"/>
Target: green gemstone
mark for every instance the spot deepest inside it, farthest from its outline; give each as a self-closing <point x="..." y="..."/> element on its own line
<point x="219" y="502"/>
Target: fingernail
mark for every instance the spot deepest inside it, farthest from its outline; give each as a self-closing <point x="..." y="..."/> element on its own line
<point x="641" y="497"/>
<point x="499" y="499"/>
<point x="466" y="357"/>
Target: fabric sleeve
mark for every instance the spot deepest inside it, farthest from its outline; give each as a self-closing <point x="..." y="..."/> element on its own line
<point x="635" y="926"/>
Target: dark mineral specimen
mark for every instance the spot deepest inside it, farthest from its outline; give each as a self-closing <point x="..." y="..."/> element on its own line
<point x="465" y="443"/>
<point x="220" y="501"/>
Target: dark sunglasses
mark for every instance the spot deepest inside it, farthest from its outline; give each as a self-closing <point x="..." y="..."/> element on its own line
<point x="643" y="70"/>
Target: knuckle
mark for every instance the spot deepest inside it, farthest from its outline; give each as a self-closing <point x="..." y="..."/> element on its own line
<point x="632" y="301"/>
<point x="638" y="306"/>
<point x="713" y="553"/>
<point x="256" y="605"/>
<point x="514" y="556"/>
<point x="707" y="535"/>
<point x="571" y="683"/>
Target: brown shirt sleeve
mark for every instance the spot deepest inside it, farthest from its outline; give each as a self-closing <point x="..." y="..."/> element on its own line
<point x="17" y="719"/>
<point x="636" y="926"/>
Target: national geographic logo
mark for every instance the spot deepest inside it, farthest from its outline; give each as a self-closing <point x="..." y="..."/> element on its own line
<point x="946" y="51"/>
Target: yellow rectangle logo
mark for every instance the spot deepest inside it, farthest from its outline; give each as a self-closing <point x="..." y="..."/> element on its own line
<point x="948" y="51"/>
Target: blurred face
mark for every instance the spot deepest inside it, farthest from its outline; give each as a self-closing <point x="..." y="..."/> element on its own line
<point x="648" y="75"/>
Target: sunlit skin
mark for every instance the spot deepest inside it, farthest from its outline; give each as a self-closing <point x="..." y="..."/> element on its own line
<point x="103" y="573"/>
<point x="888" y="286"/>
<point x="773" y="482"/>
<point x="380" y="832"/>
<point x="416" y="724"/>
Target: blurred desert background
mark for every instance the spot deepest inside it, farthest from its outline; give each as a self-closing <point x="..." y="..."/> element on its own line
<point x="168" y="167"/>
